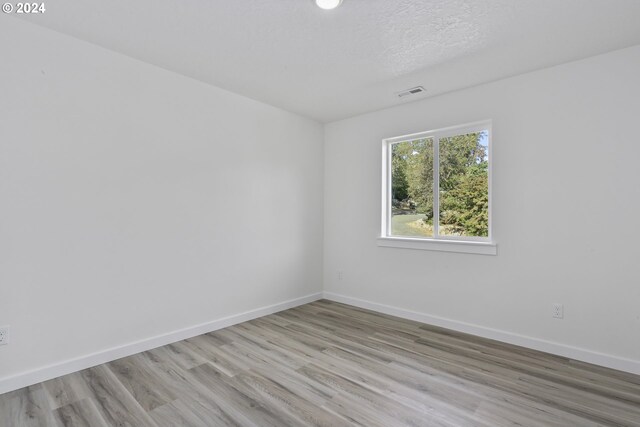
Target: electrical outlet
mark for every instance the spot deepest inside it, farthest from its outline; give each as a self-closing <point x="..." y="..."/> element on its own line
<point x="4" y="335"/>
<point x="558" y="311"/>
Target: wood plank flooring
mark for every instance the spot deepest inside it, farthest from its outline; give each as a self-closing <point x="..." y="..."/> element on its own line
<point x="329" y="364"/>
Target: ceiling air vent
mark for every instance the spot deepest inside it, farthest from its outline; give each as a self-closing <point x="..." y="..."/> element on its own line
<point x="413" y="91"/>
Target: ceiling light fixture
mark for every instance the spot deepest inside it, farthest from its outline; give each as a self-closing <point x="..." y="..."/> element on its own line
<point x="328" y="4"/>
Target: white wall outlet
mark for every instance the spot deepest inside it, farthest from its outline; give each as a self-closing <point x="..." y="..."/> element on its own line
<point x="340" y="275"/>
<point x="4" y="335"/>
<point x="558" y="311"/>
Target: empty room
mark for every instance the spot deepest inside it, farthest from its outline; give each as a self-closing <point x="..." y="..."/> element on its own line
<point x="270" y="213"/>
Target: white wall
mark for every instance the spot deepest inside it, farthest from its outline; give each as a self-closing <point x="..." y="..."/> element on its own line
<point x="566" y="210"/>
<point x="135" y="201"/>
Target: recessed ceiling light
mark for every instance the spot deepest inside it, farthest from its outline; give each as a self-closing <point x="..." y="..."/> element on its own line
<point x="328" y="4"/>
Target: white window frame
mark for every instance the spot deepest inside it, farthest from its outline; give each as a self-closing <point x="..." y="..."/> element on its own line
<point x="465" y="244"/>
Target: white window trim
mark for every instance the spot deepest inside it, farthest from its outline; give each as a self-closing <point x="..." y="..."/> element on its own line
<point x="474" y="245"/>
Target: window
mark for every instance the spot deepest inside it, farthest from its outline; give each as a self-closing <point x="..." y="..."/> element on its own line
<point x="437" y="190"/>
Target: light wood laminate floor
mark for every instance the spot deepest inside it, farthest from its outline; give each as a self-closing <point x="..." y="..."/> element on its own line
<point x="330" y="364"/>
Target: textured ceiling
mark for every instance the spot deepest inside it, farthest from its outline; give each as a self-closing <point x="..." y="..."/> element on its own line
<point x="330" y="65"/>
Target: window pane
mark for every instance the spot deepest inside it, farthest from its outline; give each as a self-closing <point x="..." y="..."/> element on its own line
<point x="412" y="188"/>
<point x="464" y="185"/>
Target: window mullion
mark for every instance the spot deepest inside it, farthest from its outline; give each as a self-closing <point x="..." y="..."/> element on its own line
<point x="436" y="187"/>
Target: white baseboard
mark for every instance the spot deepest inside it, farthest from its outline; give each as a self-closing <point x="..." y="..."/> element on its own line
<point x="576" y="353"/>
<point x="45" y="373"/>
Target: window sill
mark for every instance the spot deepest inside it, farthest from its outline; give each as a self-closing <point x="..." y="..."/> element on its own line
<point x="468" y="247"/>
